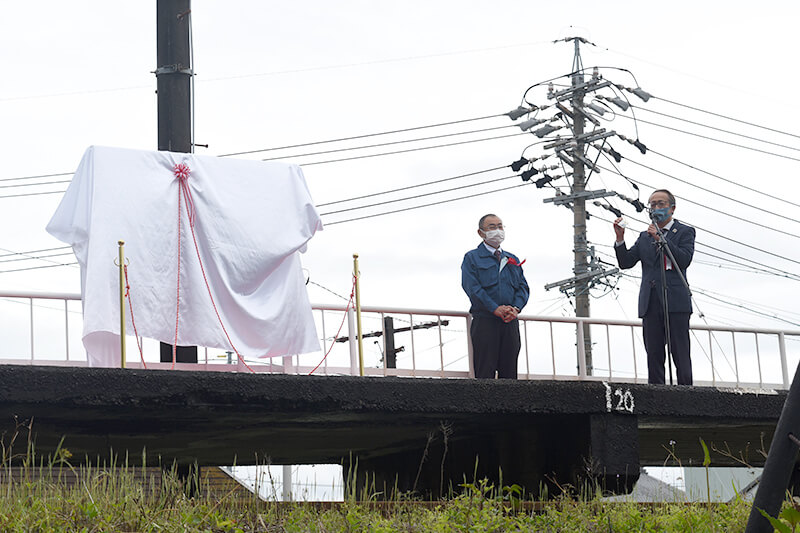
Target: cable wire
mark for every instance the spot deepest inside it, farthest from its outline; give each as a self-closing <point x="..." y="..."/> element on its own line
<point x="33" y="184"/>
<point x="412" y="149"/>
<point x="726" y="117"/>
<point x="38" y="267"/>
<point x="731" y="182"/>
<point x="419" y="195"/>
<point x="411" y="186"/>
<point x="30" y="194"/>
<point x="10" y="253"/>
<point x="704" y="206"/>
<point x="788" y="275"/>
<point x="391" y="143"/>
<point x="426" y="205"/>
<point x="714" y="139"/>
<point x="718" y="129"/>
<point x="364" y="136"/>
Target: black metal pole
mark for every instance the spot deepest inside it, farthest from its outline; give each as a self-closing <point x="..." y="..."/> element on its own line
<point x="174" y="77"/>
<point x="780" y="463"/>
<point x="665" y="303"/>
<point x="391" y="353"/>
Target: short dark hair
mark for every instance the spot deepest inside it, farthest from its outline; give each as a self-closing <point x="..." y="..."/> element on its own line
<point x="483" y="218"/>
<point x="669" y="195"/>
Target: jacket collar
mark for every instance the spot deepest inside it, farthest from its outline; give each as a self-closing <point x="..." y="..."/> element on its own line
<point x="483" y="252"/>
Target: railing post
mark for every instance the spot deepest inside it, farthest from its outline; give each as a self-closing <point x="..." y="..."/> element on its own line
<point x="352" y="341"/>
<point x="608" y="347"/>
<point x="31" y="307"/>
<point x="784" y="367"/>
<point x="735" y="357"/>
<point x="581" y="351"/>
<point x="66" y="326"/>
<point x="357" y="275"/>
<point x="122" y="302"/>
<point x="470" y="353"/>
<point x="413" y="347"/>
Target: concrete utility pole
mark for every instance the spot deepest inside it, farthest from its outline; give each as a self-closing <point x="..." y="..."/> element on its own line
<point x="580" y="245"/>
<point x="174" y="87"/>
<point x="572" y="151"/>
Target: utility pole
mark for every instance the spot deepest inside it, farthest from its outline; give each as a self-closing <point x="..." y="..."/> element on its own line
<point x="580" y="244"/>
<point x="390" y="352"/>
<point x="174" y="87"/>
<point x="576" y="155"/>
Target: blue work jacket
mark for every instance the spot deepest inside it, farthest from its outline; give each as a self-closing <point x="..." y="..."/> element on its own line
<point x="487" y="286"/>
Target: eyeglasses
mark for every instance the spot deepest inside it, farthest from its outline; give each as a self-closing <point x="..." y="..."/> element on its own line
<point x="659" y="204"/>
<point x="491" y="227"/>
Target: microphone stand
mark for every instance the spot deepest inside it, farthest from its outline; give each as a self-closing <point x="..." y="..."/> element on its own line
<point x="663" y="246"/>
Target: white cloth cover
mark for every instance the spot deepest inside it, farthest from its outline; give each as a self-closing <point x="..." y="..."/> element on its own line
<point x="252" y="219"/>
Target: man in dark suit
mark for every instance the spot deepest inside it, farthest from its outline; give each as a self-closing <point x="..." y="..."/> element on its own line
<point x="497" y="290"/>
<point x="656" y="261"/>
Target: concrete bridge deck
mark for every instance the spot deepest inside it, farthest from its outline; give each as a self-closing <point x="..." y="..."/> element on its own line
<point x="417" y="433"/>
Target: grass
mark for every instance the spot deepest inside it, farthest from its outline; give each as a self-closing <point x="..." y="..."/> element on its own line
<point x="117" y="498"/>
<point x="53" y="495"/>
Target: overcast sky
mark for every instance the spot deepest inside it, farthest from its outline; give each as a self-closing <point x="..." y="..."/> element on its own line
<point x="272" y="74"/>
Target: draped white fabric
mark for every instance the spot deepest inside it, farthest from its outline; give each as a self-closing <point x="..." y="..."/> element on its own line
<point x="251" y="220"/>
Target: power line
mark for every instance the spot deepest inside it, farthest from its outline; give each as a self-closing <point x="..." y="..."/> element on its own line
<point x="779" y="273"/>
<point x="419" y="195"/>
<point x="30" y="194"/>
<point x="788" y="275"/>
<point x="427" y="205"/>
<point x="794" y="235"/>
<point x="712" y="138"/>
<point x="718" y="129"/>
<point x="10" y="253"/>
<point x="38" y="176"/>
<point x="33" y="184"/>
<point x="364" y="136"/>
<point x="757" y="304"/>
<point x="411" y="186"/>
<point x="390" y="143"/>
<point x="38" y="267"/>
<point x="413" y="149"/>
<point x="31" y="258"/>
<point x="748" y="309"/>
<point x="751" y="189"/>
<point x="726" y="117"/>
<point x="791" y="275"/>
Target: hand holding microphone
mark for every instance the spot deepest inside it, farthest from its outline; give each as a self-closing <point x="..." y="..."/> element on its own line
<point x="619" y="229"/>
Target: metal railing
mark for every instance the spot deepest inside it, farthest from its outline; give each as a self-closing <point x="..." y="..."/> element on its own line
<point x="552" y="347"/>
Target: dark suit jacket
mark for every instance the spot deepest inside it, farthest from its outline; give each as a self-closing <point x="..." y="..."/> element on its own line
<point x="681" y="241"/>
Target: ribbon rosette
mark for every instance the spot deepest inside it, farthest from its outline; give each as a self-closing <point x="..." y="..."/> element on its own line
<point x="182" y="171"/>
<point x="512" y="261"/>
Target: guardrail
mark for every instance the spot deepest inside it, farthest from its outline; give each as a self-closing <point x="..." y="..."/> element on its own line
<point x="432" y="343"/>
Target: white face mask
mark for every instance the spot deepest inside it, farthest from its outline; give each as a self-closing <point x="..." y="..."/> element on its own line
<point x="494" y="237"/>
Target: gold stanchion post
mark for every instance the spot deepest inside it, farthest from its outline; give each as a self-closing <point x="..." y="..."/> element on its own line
<point x="357" y="276"/>
<point x="122" y="300"/>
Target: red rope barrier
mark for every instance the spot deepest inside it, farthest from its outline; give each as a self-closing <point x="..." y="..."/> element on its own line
<point x="133" y="321"/>
<point x="349" y="303"/>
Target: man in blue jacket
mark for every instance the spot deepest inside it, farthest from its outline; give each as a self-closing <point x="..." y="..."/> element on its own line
<point x="680" y="239"/>
<point x="497" y="290"/>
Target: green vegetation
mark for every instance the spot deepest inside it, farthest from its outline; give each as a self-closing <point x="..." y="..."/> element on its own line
<point x="58" y="497"/>
<point x="53" y="495"/>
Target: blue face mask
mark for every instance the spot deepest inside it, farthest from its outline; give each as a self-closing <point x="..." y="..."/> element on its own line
<point x="661" y="214"/>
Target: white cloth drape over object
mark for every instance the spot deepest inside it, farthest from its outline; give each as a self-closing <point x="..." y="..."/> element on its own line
<point x="252" y="219"/>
